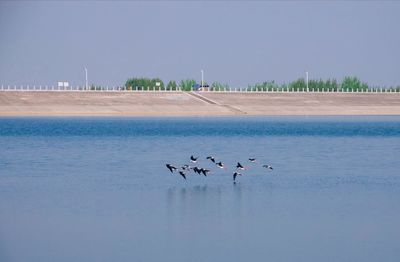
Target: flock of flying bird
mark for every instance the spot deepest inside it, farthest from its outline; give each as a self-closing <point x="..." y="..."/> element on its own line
<point x="203" y="171"/>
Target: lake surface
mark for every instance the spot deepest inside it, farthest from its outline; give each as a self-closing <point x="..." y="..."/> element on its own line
<point x="97" y="189"/>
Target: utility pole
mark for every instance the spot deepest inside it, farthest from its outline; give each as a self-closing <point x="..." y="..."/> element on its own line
<point x="87" y="87"/>
<point x="202" y="78"/>
<point x="307" y="80"/>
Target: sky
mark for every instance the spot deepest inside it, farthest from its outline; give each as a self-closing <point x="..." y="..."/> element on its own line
<point x="234" y="42"/>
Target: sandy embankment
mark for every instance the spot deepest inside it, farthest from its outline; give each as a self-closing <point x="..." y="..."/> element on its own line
<point x="195" y="104"/>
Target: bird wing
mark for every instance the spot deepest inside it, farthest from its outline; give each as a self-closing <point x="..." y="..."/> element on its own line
<point x="170" y="168"/>
<point x="211" y="158"/>
<point x="183" y="175"/>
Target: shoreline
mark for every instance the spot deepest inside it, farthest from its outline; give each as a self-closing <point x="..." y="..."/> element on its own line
<point x="195" y="104"/>
<point x="269" y="117"/>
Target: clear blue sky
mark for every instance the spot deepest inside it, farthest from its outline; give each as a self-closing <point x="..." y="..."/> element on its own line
<point x="238" y="43"/>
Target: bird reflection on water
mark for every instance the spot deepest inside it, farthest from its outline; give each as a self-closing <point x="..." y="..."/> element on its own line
<point x="203" y="203"/>
<point x="202" y="211"/>
<point x="199" y="194"/>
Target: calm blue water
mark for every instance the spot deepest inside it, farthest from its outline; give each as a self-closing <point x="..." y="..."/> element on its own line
<point x="96" y="189"/>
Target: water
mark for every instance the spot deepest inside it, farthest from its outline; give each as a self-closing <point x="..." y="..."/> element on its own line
<point x="96" y="189"/>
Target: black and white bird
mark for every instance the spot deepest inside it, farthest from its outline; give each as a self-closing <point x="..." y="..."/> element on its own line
<point x="239" y="166"/>
<point x="193" y="159"/>
<point x="220" y="164"/>
<point x="252" y="160"/>
<point x="196" y="170"/>
<point x="182" y="174"/>
<point x="204" y="171"/>
<point x="186" y="167"/>
<point x="211" y="158"/>
<point x="235" y="175"/>
<point x="268" y="167"/>
<point x="171" y="168"/>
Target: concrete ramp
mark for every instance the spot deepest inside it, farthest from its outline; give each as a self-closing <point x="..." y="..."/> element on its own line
<point x="232" y="108"/>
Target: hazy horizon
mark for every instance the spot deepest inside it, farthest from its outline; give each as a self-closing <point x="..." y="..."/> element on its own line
<point x="237" y="43"/>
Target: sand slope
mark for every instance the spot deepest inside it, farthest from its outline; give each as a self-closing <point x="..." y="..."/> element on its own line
<point x="195" y="104"/>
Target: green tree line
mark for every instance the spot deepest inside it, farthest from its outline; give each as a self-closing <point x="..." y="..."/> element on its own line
<point x="143" y="83"/>
<point x="349" y="83"/>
